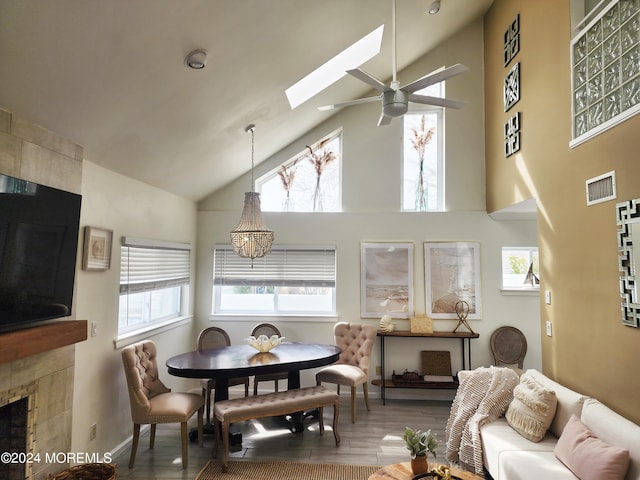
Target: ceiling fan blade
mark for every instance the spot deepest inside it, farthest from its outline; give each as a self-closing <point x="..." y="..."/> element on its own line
<point x="368" y="79"/>
<point x="436" y="101"/>
<point x="349" y="103"/>
<point x="435" y="77"/>
<point x="384" y="119"/>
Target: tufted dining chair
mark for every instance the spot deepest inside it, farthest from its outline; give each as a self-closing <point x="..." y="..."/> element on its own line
<point x="352" y="368"/>
<point x="152" y="402"/>
<point x="267" y="329"/>
<point x="508" y="346"/>
<point x="211" y="338"/>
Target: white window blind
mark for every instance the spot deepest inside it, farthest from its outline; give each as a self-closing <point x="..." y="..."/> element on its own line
<point x="147" y="265"/>
<point x="284" y="266"/>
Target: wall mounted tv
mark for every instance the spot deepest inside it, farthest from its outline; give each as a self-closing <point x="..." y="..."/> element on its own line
<point x="38" y="248"/>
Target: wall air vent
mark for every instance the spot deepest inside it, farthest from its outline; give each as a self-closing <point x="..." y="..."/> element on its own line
<point x="601" y="189"/>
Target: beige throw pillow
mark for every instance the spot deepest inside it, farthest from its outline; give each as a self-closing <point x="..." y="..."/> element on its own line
<point x="532" y="409"/>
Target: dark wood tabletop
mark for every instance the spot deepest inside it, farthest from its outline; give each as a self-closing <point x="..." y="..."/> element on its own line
<point x="242" y="360"/>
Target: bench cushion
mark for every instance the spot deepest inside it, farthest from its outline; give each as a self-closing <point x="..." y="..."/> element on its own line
<point x="273" y="403"/>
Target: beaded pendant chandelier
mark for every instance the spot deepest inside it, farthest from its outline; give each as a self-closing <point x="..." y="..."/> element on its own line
<point x="251" y="238"/>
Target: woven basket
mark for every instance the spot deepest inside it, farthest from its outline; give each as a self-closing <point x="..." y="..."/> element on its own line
<point x="89" y="471"/>
<point x="421" y="324"/>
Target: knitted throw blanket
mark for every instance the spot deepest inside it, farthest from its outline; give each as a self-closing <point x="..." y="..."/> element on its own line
<point x="481" y="398"/>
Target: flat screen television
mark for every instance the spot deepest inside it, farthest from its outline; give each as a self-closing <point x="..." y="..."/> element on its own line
<point x="39" y="228"/>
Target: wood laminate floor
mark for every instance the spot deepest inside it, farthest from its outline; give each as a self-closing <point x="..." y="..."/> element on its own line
<point x="375" y="439"/>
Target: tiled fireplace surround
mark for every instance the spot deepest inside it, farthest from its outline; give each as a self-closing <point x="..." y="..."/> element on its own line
<point x="36" y="154"/>
<point x="47" y="380"/>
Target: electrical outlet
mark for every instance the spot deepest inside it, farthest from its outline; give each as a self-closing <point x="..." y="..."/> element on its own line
<point x="93" y="430"/>
<point x="378" y="370"/>
<point x="549" y="328"/>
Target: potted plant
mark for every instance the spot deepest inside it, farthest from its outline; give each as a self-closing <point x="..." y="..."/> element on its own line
<point x="419" y="443"/>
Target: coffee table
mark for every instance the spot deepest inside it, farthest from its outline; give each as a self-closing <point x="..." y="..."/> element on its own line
<point x="402" y="471"/>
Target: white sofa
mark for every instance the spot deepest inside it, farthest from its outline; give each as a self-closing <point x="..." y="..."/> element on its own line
<point x="509" y="456"/>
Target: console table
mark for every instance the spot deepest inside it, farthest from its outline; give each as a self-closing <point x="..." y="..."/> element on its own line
<point x="465" y="339"/>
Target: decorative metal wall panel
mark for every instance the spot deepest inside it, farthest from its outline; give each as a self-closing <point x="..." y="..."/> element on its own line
<point x="628" y="227"/>
<point x="512" y="87"/>
<point x="512" y="40"/>
<point x="512" y="135"/>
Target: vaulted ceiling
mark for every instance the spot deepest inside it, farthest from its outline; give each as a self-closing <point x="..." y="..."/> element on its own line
<point x="110" y="75"/>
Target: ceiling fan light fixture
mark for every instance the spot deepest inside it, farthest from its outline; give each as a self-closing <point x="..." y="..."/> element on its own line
<point x="196" y="59"/>
<point x="434" y="7"/>
<point x="395" y="103"/>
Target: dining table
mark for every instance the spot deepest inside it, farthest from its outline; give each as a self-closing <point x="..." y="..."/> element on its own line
<point x="242" y="360"/>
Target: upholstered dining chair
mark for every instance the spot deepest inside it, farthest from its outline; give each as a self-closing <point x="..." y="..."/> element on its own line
<point x="210" y="338"/>
<point x="352" y="368"/>
<point x="268" y="330"/>
<point x="508" y="346"/>
<point x="152" y="402"/>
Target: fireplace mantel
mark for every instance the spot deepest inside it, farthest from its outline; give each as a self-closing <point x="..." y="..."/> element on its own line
<point x="42" y="338"/>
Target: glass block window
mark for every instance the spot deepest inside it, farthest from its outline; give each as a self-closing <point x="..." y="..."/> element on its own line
<point x="606" y="70"/>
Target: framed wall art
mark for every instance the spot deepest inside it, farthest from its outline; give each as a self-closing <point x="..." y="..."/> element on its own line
<point x="97" y="248"/>
<point x="386" y="280"/>
<point x="452" y="274"/>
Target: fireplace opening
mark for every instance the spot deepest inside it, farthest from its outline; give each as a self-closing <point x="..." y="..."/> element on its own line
<point x="14" y="419"/>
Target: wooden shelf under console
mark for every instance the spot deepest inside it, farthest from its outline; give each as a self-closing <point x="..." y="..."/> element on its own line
<point x="385" y="382"/>
<point x="388" y="383"/>
<point x="42" y="338"/>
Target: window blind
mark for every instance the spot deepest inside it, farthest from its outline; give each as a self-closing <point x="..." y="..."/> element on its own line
<point x="284" y="266"/>
<point x="147" y="265"/>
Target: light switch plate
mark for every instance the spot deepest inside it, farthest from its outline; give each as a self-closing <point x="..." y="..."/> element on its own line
<point x="549" y="328"/>
<point x="547" y="297"/>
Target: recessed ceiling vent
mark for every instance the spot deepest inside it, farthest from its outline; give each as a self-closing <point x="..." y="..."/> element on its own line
<point x="602" y="188"/>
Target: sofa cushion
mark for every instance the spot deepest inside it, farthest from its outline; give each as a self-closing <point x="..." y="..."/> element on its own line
<point x="498" y="437"/>
<point x="527" y="465"/>
<point x="587" y="456"/>
<point x="569" y="401"/>
<point x="532" y="409"/>
<point x="614" y="429"/>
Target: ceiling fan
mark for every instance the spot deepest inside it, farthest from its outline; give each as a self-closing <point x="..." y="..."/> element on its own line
<point x="395" y="99"/>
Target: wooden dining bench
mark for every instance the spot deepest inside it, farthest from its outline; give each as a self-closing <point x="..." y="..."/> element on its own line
<point x="226" y="412"/>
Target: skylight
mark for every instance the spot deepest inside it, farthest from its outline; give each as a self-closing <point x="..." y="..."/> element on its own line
<point x="336" y="68"/>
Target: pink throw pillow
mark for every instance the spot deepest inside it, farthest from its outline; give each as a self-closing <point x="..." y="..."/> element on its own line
<point x="587" y="456"/>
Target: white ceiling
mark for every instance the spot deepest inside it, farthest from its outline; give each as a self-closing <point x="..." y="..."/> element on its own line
<point x="109" y="74"/>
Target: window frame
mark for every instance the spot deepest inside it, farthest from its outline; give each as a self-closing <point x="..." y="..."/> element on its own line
<point x="180" y="279"/>
<point x="582" y="31"/>
<point x="524" y="289"/>
<point x="273" y="173"/>
<point x="440" y="178"/>
<point x="218" y="311"/>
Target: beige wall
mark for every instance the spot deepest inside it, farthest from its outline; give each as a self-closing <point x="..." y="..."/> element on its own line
<point x="128" y="207"/>
<point x="371" y="202"/>
<point x="590" y="349"/>
<point x="97" y="390"/>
